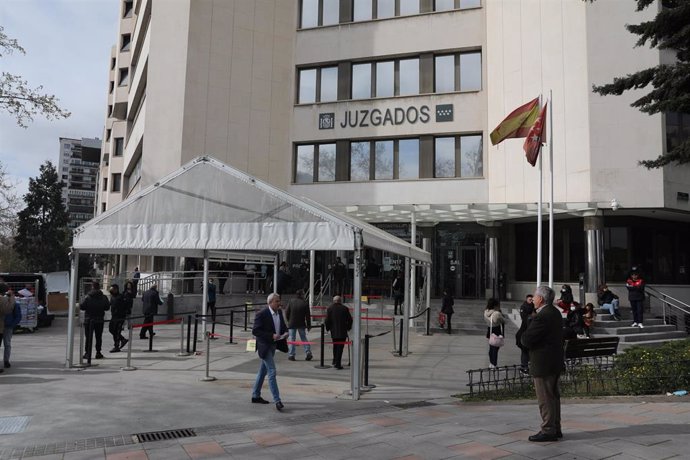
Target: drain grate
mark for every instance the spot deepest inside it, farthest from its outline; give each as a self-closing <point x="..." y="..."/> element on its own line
<point x="11" y="425"/>
<point x="413" y="404"/>
<point x="164" y="435"/>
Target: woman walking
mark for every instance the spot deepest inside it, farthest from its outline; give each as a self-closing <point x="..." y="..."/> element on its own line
<point x="496" y="326"/>
<point x="447" y="308"/>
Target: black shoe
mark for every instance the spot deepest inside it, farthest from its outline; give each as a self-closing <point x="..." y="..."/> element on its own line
<point x="7" y="365"/>
<point x="123" y="342"/>
<point x="559" y="434"/>
<point x="309" y="357"/>
<point x="143" y="337"/>
<point x="279" y="406"/>
<point x="86" y="356"/>
<point x="259" y="400"/>
<point x="99" y="355"/>
<point x="114" y="350"/>
<point x="291" y="358"/>
<point x="543" y="437"/>
<point x="339" y="367"/>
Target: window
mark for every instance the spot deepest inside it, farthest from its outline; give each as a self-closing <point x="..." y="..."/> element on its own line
<point x="111" y="87"/>
<point x="112" y="63"/>
<point x="385" y="9"/>
<point x="444" y="157"/>
<point x="409" y="76"/>
<point x="307" y="86"/>
<point x="110" y="110"/>
<point x="470" y="161"/>
<point x="105" y="184"/>
<point x="470" y="71"/>
<point x="447" y="5"/>
<point x="329" y="13"/>
<point x="127" y="8"/>
<point x="361" y="81"/>
<point x="304" y="173"/>
<point x="677" y="129"/>
<point x="108" y="133"/>
<point x="117" y="182"/>
<point x="408" y="7"/>
<point x="408" y="159"/>
<point x="119" y="147"/>
<point x="444" y="74"/>
<point x="329" y="84"/>
<point x="360" y="156"/>
<point x="126" y="42"/>
<point x="326" y="171"/>
<point x="124" y="77"/>
<point x="385" y="78"/>
<point x="384" y="160"/>
<point x="363" y="10"/>
<point x="458" y="72"/>
<point x="102" y="207"/>
<point x="326" y="90"/>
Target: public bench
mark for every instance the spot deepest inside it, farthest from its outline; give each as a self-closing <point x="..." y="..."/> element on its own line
<point x="589" y="348"/>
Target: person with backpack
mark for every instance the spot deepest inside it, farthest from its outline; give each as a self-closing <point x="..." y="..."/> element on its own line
<point x="12" y="320"/>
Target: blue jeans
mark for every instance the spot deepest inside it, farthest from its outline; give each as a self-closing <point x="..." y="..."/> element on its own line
<point x="612" y="307"/>
<point x="302" y="336"/>
<point x="268" y="366"/>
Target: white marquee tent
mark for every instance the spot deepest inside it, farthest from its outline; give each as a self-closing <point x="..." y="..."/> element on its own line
<point x="209" y="206"/>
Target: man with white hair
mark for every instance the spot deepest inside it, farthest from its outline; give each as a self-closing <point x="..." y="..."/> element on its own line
<point x="544" y="340"/>
<point x="339" y="322"/>
<point x="270" y="331"/>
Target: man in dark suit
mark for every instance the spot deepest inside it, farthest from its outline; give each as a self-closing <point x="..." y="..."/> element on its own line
<point x="270" y="331"/>
<point x="299" y="321"/>
<point x="544" y="340"/>
<point x="151" y="300"/>
<point x="338" y="321"/>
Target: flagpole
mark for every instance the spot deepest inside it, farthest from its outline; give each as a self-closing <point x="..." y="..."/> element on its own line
<point x="539" y="218"/>
<point x="550" y="109"/>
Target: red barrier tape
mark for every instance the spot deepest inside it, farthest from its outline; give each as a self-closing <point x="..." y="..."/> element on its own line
<point x="289" y="342"/>
<point x="155" y="323"/>
<point x="349" y="296"/>
<point x="227" y="337"/>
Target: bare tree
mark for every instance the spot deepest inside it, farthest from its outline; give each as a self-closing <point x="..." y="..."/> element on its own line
<point x="19" y="99"/>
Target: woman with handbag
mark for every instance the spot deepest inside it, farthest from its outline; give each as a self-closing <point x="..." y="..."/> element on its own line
<point x="495" y="331"/>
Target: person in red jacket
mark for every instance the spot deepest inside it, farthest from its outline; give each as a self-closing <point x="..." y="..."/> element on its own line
<point x="635" y="285"/>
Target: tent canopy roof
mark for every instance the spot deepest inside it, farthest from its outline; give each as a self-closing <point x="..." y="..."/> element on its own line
<point x="209" y="206"/>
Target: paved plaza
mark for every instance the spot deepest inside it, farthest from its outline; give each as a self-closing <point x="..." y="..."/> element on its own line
<point x="52" y="413"/>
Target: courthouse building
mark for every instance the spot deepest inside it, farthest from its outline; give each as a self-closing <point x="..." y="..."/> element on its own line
<point x="382" y="108"/>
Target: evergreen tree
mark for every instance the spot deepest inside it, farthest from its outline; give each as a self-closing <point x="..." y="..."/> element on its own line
<point x="43" y="237"/>
<point x="670" y="94"/>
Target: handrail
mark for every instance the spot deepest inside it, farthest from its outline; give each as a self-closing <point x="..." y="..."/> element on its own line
<point x="664" y="299"/>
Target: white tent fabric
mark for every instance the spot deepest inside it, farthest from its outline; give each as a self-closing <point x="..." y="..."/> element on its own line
<point x="207" y="205"/>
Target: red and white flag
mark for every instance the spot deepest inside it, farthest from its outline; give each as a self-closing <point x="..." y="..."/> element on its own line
<point x="535" y="137"/>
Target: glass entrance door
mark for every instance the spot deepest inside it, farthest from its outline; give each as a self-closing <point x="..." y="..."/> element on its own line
<point x="469" y="279"/>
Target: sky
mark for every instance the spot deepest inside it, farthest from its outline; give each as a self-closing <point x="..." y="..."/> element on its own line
<point x="67" y="45"/>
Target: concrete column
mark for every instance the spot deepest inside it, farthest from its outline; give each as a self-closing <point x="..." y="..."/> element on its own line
<point x="71" y="305"/>
<point x="356" y="364"/>
<point x="492" y="261"/>
<point x="312" y="258"/>
<point x="594" y="251"/>
<point x="407" y="308"/>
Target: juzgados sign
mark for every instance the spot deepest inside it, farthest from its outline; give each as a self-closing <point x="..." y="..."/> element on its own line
<point x="389" y="117"/>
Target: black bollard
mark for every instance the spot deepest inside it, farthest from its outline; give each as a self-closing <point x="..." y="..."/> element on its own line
<point x="322" y="365"/>
<point x="232" y="327"/>
<point x="246" y="316"/>
<point x="366" y="359"/>
<point x="189" y="332"/>
<point x="196" y="328"/>
<point x="402" y="320"/>
<point x="89" y="342"/>
<point x="428" y="321"/>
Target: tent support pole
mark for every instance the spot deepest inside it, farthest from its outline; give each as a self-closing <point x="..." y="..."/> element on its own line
<point x="407" y="307"/>
<point x="275" y="274"/>
<point x="312" y="259"/>
<point x="355" y="367"/>
<point x="204" y="300"/>
<point x="72" y="303"/>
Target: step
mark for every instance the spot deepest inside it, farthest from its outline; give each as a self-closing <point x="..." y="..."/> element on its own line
<point x="661" y="336"/>
<point x="633" y="330"/>
<point x="612" y="323"/>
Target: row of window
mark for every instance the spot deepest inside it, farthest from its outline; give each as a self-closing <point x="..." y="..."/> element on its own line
<point x="395" y="77"/>
<point x="316" y="13"/>
<point x="391" y="159"/>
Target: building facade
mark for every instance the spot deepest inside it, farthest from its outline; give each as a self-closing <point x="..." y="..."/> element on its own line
<point x="78" y="166"/>
<point x="382" y="109"/>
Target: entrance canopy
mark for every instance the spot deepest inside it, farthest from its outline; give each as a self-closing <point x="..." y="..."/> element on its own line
<point x="209" y="206"/>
